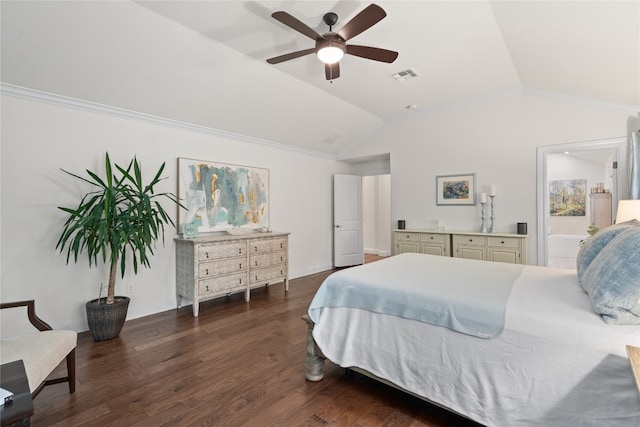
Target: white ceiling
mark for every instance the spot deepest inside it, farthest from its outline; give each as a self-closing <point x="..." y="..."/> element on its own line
<point x="210" y="70"/>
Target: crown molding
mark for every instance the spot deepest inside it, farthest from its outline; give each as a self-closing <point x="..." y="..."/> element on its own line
<point x="94" y="107"/>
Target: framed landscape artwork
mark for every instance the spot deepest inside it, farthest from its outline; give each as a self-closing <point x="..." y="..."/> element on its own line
<point x="220" y="196"/>
<point x="456" y="189"/>
<point x="568" y="197"/>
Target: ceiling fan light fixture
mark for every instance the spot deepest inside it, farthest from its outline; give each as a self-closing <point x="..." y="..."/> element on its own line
<point x="331" y="53"/>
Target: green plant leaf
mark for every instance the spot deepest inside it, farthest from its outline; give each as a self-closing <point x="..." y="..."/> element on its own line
<point x="119" y="221"/>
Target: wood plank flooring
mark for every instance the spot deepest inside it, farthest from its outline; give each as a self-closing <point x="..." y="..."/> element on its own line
<point x="237" y="364"/>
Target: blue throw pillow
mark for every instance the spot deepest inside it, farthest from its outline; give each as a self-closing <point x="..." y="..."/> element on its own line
<point x="613" y="279"/>
<point x="591" y="247"/>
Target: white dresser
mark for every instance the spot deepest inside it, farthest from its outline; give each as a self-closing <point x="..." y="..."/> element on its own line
<point x="500" y="247"/>
<point x="424" y="242"/>
<point x="218" y="264"/>
<point x="600" y="208"/>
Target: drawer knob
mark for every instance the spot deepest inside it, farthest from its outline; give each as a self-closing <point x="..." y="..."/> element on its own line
<point x="256" y="248"/>
<point x="240" y="266"/>
<point x="502" y="242"/>
<point x="431" y="237"/>
<point x="471" y="240"/>
<point x="240" y="280"/>
<point x="206" y="271"/>
<point x="280" y="245"/>
<point x="256" y="277"/>
<point x="239" y="251"/>
<point x="206" y="254"/>
<point x="256" y="263"/>
<point x="281" y="258"/>
<point x="207" y="288"/>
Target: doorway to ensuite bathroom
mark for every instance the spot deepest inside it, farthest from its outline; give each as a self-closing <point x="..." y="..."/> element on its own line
<point x="578" y="191"/>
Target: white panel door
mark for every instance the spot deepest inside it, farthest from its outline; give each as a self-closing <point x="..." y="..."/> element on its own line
<point x="347" y="221"/>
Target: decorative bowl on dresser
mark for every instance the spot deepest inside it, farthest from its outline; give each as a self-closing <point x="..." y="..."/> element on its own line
<point x="215" y="265"/>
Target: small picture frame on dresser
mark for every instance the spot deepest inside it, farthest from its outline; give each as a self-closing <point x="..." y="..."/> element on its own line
<point x="456" y="189"/>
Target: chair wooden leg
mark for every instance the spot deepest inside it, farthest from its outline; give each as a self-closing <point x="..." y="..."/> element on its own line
<point x="71" y="370"/>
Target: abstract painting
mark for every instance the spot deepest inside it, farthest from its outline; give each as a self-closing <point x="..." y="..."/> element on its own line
<point x="567" y="197"/>
<point x="219" y="196"/>
<point x="456" y="189"/>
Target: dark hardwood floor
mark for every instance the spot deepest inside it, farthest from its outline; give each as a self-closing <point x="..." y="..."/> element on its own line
<point x="237" y="364"/>
<point x="371" y="258"/>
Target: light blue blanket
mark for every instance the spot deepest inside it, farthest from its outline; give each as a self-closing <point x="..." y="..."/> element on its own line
<point x="467" y="296"/>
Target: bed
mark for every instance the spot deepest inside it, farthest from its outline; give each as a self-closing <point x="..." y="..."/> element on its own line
<point x="557" y="358"/>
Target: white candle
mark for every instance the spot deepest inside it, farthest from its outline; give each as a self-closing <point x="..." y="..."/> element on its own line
<point x="483" y="197"/>
<point x="492" y="192"/>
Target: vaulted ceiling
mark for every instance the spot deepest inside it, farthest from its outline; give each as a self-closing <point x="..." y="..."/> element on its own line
<point x="204" y="62"/>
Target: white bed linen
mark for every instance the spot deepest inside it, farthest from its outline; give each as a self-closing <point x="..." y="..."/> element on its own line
<point x="555" y="364"/>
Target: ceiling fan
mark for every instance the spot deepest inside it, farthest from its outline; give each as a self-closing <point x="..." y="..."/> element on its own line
<point x="331" y="47"/>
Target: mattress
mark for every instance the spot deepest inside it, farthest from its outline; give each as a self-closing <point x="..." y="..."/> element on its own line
<point x="556" y="363"/>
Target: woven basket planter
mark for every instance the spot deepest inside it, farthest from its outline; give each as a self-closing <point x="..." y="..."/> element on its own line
<point x="106" y="320"/>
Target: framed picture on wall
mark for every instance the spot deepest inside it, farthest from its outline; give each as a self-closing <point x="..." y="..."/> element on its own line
<point x="456" y="189"/>
<point x="568" y="197"/>
<point x="221" y="196"/>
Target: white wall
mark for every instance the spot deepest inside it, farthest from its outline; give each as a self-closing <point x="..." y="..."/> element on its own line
<point x="497" y="140"/>
<point x="39" y="138"/>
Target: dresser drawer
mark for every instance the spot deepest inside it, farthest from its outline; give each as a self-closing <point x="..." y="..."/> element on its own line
<point x="408" y="237"/>
<point x="434" y="238"/>
<point x="225" y="266"/>
<point x="471" y="240"/>
<point x="507" y="242"/>
<point x="268" y="274"/>
<point x="267" y="245"/>
<point x="221" y="284"/>
<point x="268" y="259"/>
<point x="222" y="250"/>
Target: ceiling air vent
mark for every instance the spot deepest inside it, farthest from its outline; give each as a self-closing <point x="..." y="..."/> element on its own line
<point x="406" y="74"/>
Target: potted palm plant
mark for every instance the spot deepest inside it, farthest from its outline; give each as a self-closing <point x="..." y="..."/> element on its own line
<point x="118" y="222"/>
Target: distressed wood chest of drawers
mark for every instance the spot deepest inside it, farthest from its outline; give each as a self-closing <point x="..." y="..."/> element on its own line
<point x="214" y="265"/>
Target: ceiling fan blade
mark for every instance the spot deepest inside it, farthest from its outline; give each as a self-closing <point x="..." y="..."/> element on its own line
<point x="367" y="18"/>
<point x="296" y="24"/>
<point x="292" y="55"/>
<point x="375" y="53"/>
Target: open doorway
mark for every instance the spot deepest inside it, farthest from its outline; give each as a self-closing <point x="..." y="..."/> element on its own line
<point x="375" y="172"/>
<point x="376" y="208"/>
<point x="578" y="191"/>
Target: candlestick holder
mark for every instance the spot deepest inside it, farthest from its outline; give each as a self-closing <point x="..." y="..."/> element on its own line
<point x="483" y="228"/>
<point x="492" y="229"/>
